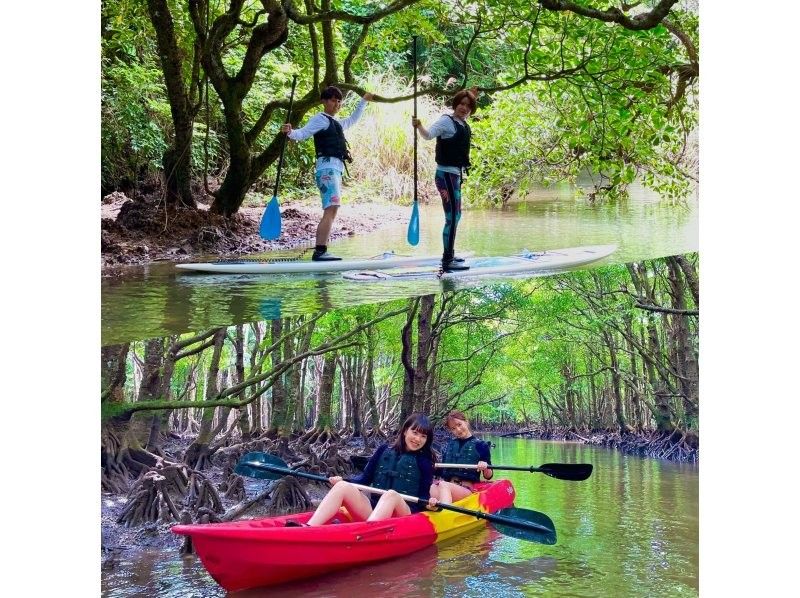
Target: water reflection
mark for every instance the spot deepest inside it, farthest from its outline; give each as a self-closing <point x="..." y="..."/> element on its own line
<point x="158" y="300"/>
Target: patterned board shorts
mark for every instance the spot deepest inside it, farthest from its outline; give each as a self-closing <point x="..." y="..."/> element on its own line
<point x="329" y="183"/>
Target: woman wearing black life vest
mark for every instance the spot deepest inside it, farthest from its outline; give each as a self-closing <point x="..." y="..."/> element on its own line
<point x="404" y="467"/>
<point x="452" y="135"/>
<point x="463" y="448"/>
<point x="332" y="152"/>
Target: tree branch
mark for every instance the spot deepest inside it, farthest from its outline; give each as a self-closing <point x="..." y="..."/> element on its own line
<point x="646" y="20"/>
<point x="342" y="15"/>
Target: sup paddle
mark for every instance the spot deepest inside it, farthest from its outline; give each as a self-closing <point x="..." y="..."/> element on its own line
<point x="270" y="227"/>
<point x="563" y="471"/>
<point x="523" y="524"/>
<point x="413" y="224"/>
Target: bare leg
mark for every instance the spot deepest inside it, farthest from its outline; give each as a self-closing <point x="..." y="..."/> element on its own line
<point x="324" y="227"/>
<point x="456" y="491"/>
<point x="441" y="492"/>
<point x="344" y="495"/>
<point x="390" y="505"/>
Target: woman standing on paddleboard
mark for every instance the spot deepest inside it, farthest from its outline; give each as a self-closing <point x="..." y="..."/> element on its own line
<point x="404" y="467"/>
<point x="464" y="449"/>
<point x="452" y="134"/>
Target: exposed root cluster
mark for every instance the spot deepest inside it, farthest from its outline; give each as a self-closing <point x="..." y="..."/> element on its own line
<point x="233" y="488"/>
<point x="150" y="501"/>
<point x="331" y="461"/>
<point x="289" y="497"/>
<point x="676" y="446"/>
<point x="375" y="435"/>
<point x="202" y="494"/>
<point x="119" y="463"/>
<point x="323" y="436"/>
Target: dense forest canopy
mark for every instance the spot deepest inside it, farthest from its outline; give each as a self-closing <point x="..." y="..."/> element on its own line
<point x="195" y="91"/>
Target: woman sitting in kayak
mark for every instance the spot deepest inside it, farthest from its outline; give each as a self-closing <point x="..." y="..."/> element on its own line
<point x="404" y="467"/>
<point x="463" y="448"/>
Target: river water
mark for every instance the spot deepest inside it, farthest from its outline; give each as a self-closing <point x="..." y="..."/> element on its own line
<point x="631" y="529"/>
<point x="158" y="299"/>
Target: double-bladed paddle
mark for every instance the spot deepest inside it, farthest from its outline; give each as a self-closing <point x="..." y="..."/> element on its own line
<point x="270" y="227"/>
<point x="523" y="524"/>
<point x="562" y="471"/>
<point x="413" y="224"/>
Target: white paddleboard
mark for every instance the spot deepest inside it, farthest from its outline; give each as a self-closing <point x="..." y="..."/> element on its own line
<point x="551" y="259"/>
<point x="383" y="261"/>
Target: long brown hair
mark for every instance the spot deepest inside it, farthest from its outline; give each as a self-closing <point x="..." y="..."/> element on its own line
<point x="416" y="421"/>
<point x="455" y="414"/>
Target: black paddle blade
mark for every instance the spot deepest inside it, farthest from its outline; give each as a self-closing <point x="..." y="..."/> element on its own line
<point x="567" y="471"/>
<point x="244" y="468"/>
<point x="542" y="530"/>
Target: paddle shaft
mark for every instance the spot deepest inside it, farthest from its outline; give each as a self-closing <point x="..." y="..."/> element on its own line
<point x="564" y="471"/>
<point x="507" y="467"/>
<point x="447" y="507"/>
<point x="283" y="141"/>
<point x="414" y="60"/>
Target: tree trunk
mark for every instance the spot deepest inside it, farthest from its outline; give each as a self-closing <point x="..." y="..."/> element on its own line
<point x="616" y="382"/>
<point x="278" y="410"/>
<point x="244" y="167"/>
<point x="121" y="453"/>
<point x="177" y="160"/>
<point x="634" y="394"/>
<point x="569" y="395"/>
<point x="244" y="417"/>
<point x="257" y="426"/>
<point x="324" y="398"/>
<point x="424" y="341"/>
<point x="407" y="402"/>
<point x="685" y="357"/>
<point x="662" y="412"/>
<point x="198" y="453"/>
<point x="152" y="388"/>
<point x="358" y="393"/>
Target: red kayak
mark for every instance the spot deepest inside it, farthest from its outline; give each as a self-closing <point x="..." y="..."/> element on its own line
<point x="262" y="552"/>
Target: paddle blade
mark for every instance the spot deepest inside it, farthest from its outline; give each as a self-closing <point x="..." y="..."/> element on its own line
<point x="413" y="226"/>
<point x="540" y="529"/>
<point x="567" y="471"/>
<point x="244" y="467"/>
<point x="270" y="228"/>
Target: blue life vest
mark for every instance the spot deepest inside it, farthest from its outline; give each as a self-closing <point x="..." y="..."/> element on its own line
<point x="397" y="472"/>
<point x="466" y="454"/>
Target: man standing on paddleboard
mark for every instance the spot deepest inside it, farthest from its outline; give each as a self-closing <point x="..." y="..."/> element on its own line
<point x="332" y="153"/>
<point x="452" y="134"/>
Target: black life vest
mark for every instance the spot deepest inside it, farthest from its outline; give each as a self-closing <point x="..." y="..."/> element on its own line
<point x="454" y="151"/>
<point x="330" y="142"/>
<point x="466" y="454"/>
<point x="397" y="472"/>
